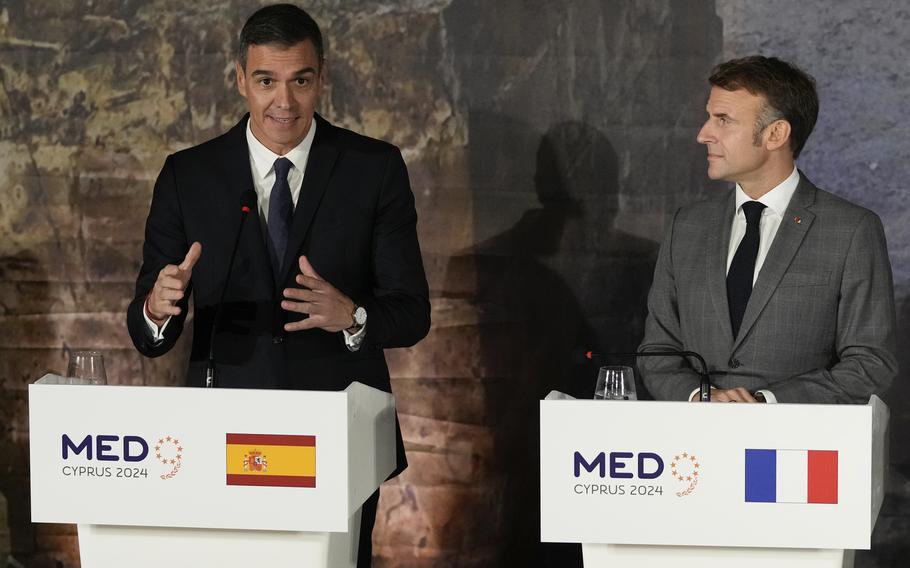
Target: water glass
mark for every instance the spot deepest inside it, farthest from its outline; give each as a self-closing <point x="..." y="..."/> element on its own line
<point x="615" y="383"/>
<point x="87" y="367"/>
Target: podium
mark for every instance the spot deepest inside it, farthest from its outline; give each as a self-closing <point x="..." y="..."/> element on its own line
<point x="192" y="477"/>
<point x="709" y="485"/>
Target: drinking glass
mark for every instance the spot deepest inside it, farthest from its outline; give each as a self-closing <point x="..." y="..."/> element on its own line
<point x="615" y="383"/>
<point x="87" y="367"/>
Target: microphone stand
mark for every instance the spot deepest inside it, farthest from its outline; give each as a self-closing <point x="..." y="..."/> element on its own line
<point x="704" y="375"/>
<point x="210" y="368"/>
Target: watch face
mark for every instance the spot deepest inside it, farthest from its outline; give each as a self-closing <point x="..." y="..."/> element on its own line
<point x="360" y="316"/>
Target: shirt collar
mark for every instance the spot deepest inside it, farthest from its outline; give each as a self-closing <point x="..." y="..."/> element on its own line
<point x="777" y="199"/>
<point x="264" y="159"/>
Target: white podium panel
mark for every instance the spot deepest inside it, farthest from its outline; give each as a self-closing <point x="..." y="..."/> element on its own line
<point x="207" y="458"/>
<point x="108" y="546"/>
<point x="710" y="475"/>
<point x="208" y="477"/>
<point x="190" y="477"/>
<point x="642" y="556"/>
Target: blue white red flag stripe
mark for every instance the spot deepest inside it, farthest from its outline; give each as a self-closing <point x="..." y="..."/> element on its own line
<point x="791" y="476"/>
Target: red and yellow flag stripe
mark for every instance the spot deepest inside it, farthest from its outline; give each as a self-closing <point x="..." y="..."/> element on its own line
<point x="275" y="460"/>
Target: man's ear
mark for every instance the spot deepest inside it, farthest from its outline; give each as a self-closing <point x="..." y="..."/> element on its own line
<point x="777" y="134"/>
<point x="323" y="74"/>
<point x="241" y="79"/>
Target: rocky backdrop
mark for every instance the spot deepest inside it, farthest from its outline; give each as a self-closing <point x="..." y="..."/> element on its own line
<point x="548" y="142"/>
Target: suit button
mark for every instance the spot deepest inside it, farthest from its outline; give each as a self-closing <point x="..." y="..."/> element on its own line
<point x="734" y="363"/>
<point x="277" y="340"/>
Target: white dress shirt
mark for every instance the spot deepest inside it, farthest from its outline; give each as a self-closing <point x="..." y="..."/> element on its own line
<point x="262" y="168"/>
<point x="776" y="202"/>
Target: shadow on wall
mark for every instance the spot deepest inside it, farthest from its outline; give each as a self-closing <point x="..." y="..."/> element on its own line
<point x="553" y="92"/>
<point x="560" y="277"/>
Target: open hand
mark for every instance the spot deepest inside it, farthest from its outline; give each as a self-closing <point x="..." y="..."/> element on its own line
<point x="327" y="307"/>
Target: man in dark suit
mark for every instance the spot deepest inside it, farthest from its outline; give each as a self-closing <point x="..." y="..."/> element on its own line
<point x="785" y="289"/>
<point x="327" y="271"/>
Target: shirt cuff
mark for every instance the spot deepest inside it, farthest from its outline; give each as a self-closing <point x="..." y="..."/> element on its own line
<point x="769" y="396"/>
<point x="353" y="340"/>
<point x="157" y="332"/>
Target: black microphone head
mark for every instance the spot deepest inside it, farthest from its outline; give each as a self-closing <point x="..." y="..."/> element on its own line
<point x="248" y="201"/>
<point x="580" y="356"/>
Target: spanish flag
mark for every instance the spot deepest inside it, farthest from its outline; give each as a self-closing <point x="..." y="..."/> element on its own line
<point x="274" y="460"/>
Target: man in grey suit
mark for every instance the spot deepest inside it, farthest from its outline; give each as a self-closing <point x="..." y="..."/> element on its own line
<point x="784" y="288"/>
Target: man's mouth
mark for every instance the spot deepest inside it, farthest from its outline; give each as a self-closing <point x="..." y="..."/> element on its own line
<point x="283" y="120"/>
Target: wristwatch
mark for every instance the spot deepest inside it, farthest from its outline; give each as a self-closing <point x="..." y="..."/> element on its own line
<point x="359" y="315"/>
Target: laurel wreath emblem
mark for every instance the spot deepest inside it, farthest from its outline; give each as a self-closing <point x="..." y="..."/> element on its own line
<point x="685" y="468"/>
<point x="169" y="452"/>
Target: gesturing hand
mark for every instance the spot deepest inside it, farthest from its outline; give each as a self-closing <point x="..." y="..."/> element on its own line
<point x="170" y="286"/>
<point x="327" y="307"/>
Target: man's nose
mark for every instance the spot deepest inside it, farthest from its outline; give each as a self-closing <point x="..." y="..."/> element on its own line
<point x="283" y="96"/>
<point x="705" y="135"/>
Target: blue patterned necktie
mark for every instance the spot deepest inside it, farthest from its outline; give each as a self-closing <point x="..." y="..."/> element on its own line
<point x="281" y="211"/>
<point x="742" y="268"/>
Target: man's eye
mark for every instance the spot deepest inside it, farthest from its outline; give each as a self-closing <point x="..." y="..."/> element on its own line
<point x="303" y="82"/>
<point x="265" y="82"/>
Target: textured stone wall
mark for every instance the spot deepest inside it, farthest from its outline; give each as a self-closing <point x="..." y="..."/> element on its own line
<point x="5" y="548"/>
<point x="570" y="107"/>
<point x="547" y="143"/>
<point x="94" y="96"/>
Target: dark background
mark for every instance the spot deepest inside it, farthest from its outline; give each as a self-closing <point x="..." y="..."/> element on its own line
<point x="548" y="143"/>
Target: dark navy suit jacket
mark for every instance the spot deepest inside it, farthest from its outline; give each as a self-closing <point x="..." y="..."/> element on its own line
<point x="356" y="222"/>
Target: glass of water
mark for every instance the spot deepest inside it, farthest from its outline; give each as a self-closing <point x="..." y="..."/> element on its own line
<point x="87" y="367"/>
<point x="615" y="383"/>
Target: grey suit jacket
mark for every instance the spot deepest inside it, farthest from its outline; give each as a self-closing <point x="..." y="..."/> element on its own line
<point x="819" y="326"/>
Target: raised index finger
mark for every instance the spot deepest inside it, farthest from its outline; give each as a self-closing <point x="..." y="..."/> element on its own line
<point x="192" y="256"/>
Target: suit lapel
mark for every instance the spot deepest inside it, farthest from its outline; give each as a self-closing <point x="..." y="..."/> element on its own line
<point x="319" y="168"/>
<point x="789" y="237"/>
<point x="717" y="250"/>
<point x="238" y="180"/>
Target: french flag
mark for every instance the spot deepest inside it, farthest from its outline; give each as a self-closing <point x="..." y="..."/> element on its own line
<point x="791" y="476"/>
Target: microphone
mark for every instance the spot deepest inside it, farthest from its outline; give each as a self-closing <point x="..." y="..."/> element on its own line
<point x="704" y="375"/>
<point x="248" y="197"/>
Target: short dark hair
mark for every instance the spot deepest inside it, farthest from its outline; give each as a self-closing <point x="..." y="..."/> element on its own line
<point x="284" y="24"/>
<point x="789" y="93"/>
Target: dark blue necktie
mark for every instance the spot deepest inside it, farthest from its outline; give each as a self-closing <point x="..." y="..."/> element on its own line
<point x="281" y="212"/>
<point x="742" y="268"/>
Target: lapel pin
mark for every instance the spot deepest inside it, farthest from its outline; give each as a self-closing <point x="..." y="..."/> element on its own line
<point x="798" y="220"/>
